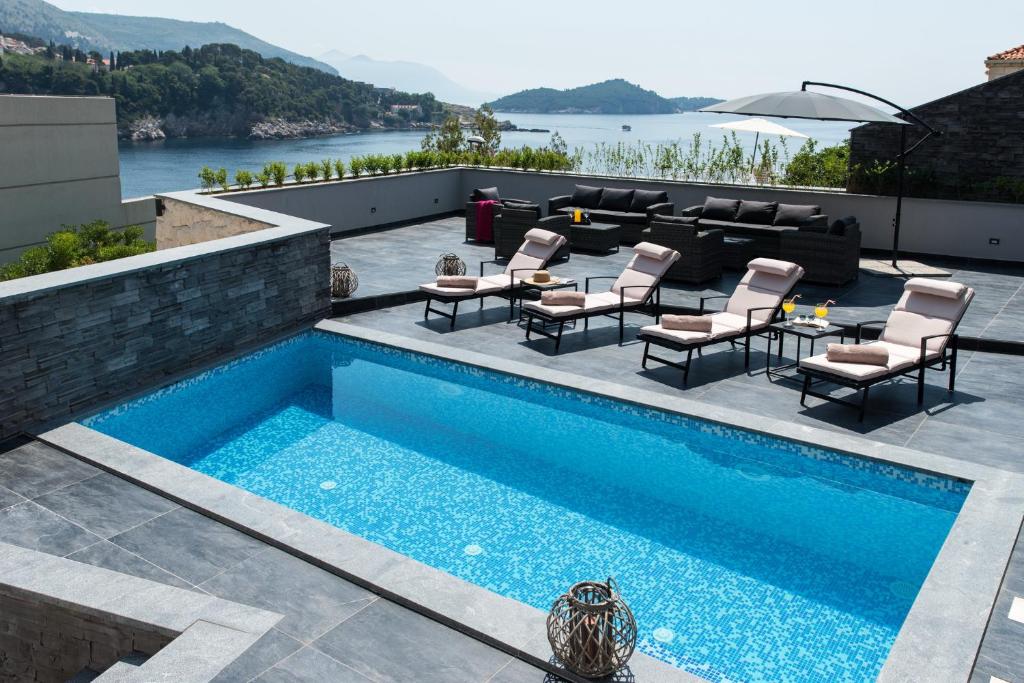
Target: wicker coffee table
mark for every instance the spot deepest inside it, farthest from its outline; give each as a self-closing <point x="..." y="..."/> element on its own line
<point x="738" y="252"/>
<point x="595" y="237"/>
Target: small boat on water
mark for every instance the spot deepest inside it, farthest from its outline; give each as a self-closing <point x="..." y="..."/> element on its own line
<point x="626" y="128"/>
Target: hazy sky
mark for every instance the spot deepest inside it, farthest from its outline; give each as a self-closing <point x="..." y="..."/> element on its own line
<point x="909" y="51"/>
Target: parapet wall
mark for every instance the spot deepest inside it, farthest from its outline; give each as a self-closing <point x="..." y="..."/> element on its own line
<point x="78" y="338"/>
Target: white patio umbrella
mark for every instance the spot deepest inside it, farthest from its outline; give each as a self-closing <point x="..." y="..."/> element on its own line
<point x="758" y="126"/>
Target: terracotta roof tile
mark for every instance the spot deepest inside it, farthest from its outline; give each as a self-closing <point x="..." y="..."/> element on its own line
<point x="1012" y="53"/>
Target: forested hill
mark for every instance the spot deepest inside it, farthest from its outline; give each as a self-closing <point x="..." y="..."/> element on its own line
<point x="616" y="96"/>
<point x="217" y="89"/>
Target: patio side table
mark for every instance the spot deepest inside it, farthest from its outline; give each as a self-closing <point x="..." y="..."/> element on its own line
<point x="801" y="332"/>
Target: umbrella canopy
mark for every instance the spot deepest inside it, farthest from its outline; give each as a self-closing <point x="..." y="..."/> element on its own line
<point x="756" y="125"/>
<point x="804" y="104"/>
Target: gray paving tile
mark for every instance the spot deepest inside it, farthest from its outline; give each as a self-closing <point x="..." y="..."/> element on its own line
<point x="266" y="652"/>
<point x="34" y="469"/>
<point x="8" y="497"/>
<point x="311" y="600"/>
<point x="30" y="526"/>
<point x="416" y="647"/>
<point x="968" y="443"/>
<point x="188" y="544"/>
<point x="109" y="556"/>
<point x="518" y="671"/>
<point x="106" y="504"/>
<point x="310" y="666"/>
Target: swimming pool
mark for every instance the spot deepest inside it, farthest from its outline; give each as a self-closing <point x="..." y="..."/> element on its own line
<point x="743" y="557"/>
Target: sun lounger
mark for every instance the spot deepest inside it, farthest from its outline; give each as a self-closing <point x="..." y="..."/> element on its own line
<point x="540" y="246"/>
<point x="636" y="288"/>
<point x="920" y="333"/>
<point x="750" y="309"/>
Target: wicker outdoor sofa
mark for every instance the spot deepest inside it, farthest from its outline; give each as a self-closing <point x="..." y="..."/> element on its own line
<point x="489" y="194"/>
<point x="632" y="209"/>
<point x="829" y="252"/>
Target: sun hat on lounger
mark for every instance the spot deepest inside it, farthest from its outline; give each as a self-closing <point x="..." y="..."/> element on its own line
<point x="537" y="249"/>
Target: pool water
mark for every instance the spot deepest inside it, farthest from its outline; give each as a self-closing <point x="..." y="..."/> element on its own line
<point x="743" y="557"/>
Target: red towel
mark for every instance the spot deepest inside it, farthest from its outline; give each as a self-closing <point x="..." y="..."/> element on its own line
<point x="485" y="220"/>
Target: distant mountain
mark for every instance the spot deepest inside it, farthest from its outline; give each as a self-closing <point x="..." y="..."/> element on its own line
<point x="105" y="32"/>
<point x="616" y="96"/>
<point x="409" y="76"/>
<point x="694" y="103"/>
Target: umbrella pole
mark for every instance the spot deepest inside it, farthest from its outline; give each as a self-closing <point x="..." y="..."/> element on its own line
<point x="899" y="196"/>
<point x="753" y="159"/>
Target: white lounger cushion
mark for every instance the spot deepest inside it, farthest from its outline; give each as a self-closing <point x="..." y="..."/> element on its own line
<point x="920" y="313"/>
<point x="649" y="264"/>
<point x="533" y="255"/>
<point x="763" y="286"/>
<point x="654" y="251"/>
<point x="900" y="358"/>
<point x="545" y="237"/>
<point x="947" y="290"/>
<point x="484" y="285"/>
<point x="722" y="325"/>
<point x="600" y="301"/>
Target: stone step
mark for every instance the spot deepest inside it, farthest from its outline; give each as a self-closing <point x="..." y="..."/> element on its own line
<point x="122" y="669"/>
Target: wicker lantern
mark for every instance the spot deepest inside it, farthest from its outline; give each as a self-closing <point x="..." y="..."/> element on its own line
<point x="591" y="630"/>
<point x="450" y="264"/>
<point x="344" y="281"/>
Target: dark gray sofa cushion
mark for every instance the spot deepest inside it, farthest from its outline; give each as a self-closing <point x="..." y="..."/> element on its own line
<point x="482" y="193"/>
<point x="686" y="225"/>
<point x="623" y="217"/>
<point x="794" y="214"/>
<point x="613" y="199"/>
<point x="644" y="198"/>
<point x="716" y="209"/>
<point x="734" y="228"/>
<point x="586" y="197"/>
<point x="758" y="213"/>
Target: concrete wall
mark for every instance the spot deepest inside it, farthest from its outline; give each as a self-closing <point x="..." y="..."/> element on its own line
<point x="60" y="166"/>
<point x="929" y="226"/>
<point x="44" y="640"/>
<point x="77" y="338"/>
<point x="182" y="223"/>
<point x="364" y="202"/>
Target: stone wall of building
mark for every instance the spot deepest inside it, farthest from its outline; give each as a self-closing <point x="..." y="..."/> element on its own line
<point x="979" y="156"/>
<point x="78" y="338"/>
<point x="181" y="223"/>
<point x="45" y="641"/>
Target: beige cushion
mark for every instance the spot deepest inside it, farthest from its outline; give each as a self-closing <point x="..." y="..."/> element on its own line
<point x="899" y="359"/>
<point x="643" y="273"/>
<point x="773" y="266"/>
<point x="948" y="290"/>
<point x="601" y="301"/>
<point x="920" y="314"/>
<point x="484" y="285"/>
<point x="545" y="237"/>
<point x="870" y="354"/>
<point x="691" y="323"/>
<point x="722" y="325"/>
<point x="760" y="288"/>
<point x="499" y="280"/>
<point x="654" y="251"/>
<point x="533" y="255"/>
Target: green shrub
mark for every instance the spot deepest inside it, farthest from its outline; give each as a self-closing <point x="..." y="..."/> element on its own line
<point x="78" y="246"/>
<point x="827" y="167"/>
<point x="222" y="179"/>
<point x="264" y="177"/>
<point x="313" y="170"/>
<point x="299" y="172"/>
<point x="339" y="169"/>
<point x="396" y="163"/>
<point x="326" y="169"/>
<point x="279" y="172"/>
<point x="357" y="165"/>
<point x="244" y="179"/>
<point x="208" y="178"/>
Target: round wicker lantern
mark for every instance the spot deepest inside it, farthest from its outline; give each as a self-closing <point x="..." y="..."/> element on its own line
<point x="450" y="264"/>
<point x="591" y="630"/>
<point x="344" y="281"/>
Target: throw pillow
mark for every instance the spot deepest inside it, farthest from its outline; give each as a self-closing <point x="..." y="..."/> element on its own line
<point x="757" y="213"/>
<point x="480" y="194"/>
<point x="794" y="214"/>
<point x="586" y="197"/>
<point x="716" y="209"/>
<point x="613" y="199"/>
<point x="644" y="198"/>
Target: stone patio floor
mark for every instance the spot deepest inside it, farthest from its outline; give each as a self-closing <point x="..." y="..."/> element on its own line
<point x="980" y="422"/>
<point x="332" y="630"/>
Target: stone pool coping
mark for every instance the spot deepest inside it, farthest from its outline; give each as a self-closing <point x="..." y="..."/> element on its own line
<point x="207" y="633"/>
<point x="939" y="639"/>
